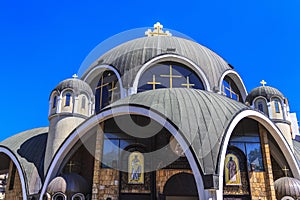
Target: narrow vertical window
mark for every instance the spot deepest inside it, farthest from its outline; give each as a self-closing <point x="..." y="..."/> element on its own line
<point x="54" y="101"/>
<point x="12" y="177"/>
<point x="276" y="102"/>
<point x="260" y="106"/>
<point x="68" y="99"/>
<point x="83" y="102"/>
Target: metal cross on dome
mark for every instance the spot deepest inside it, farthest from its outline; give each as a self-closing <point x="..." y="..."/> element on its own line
<point x="157" y="31"/>
<point x="263" y="82"/>
<point x="75" y="76"/>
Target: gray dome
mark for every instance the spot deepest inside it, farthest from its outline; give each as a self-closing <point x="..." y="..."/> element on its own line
<point x="191" y="111"/>
<point x="128" y="58"/>
<point x="287" y="186"/>
<point x="265" y="91"/>
<point x="68" y="183"/>
<point x="75" y="84"/>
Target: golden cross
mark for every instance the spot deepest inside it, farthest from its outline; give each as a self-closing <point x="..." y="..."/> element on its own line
<point x="263" y="82"/>
<point x="157" y="31"/>
<point x="188" y="84"/>
<point x="153" y="83"/>
<point x="285" y="170"/>
<point x="70" y="165"/>
<point x="101" y="90"/>
<point x="171" y="76"/>
<point x="113" y="88"/>
<point x="231" y="92"/>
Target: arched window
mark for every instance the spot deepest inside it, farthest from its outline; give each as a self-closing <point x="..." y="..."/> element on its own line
<point x="107" y="90"/>
<point x="261" y="105"/>
<point x="83" y="102"/>
<point x="68" y="99"/>
<point x="276" y="104"/>
<point x="230" y="89"/>
<point x="169" y="75"/>
<point x="54" y="101"/>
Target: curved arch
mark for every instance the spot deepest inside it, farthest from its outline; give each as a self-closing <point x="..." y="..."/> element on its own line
<point x="173" y="58"/>
<point x="79" y="195"/>
<point x="59" y="194"/>
<point x="97" y="70"/>
<point x="271" y="128"/>
<point x="235" y="77"/>
<point x="20" y="170"/>
<point x="106" y="114"/>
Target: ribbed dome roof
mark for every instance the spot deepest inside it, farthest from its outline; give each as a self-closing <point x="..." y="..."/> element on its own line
<point x="265" y="91"/>
<point x="287" y="186"/>
<point x="202" y="125"/>
<point x="75" y="84"/>
<point x="128" y="58"/>
<point x="68" y="183"/>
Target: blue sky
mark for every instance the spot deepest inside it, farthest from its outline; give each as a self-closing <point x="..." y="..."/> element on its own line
<point x="44" y="42"/>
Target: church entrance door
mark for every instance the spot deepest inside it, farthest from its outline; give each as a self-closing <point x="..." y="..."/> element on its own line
<point x="181" y="186"/>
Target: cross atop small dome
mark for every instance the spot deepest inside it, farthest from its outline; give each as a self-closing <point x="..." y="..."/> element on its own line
<point x="157" y="31"/>
<point x="263" y="82"/>
<point x="75" y="76"/>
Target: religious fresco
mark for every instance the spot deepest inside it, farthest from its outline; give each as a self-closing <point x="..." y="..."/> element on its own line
<point x="232" y="170"/>
<point x="136" y="168"/>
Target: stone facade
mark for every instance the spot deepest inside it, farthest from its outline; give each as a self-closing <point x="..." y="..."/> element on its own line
<point x="14" y="188"/>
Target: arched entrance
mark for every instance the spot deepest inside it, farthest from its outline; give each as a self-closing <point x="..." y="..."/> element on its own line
<point x="181" y="186"/>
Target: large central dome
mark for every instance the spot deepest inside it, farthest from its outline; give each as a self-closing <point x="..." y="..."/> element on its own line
<point x="129" y="57"/>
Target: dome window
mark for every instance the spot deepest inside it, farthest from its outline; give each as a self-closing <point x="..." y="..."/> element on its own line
<point x="260" y="106"/>
<point x="230" y="89"/>
<point x="83" y="102"/>
<point x="68" y="99"/>
<point x="169" y="75"/>
<point x="107" y="90"/>
<point x="54" y="102"/>
<point x="276" y="102"/>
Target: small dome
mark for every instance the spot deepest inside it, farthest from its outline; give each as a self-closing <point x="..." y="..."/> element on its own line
<point x="287" y="186"/>
<point x="265" y="91"/>
<point x="75" y="84"/>
<point x="68" y="183"/>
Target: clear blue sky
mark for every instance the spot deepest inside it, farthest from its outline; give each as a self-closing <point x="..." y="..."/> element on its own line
<point x="44" y="42"/>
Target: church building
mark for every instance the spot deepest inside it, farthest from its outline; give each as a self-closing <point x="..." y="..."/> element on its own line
<point x="159" y="117"/>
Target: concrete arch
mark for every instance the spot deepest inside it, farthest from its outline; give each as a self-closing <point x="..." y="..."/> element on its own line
<point x="174" y="58"/>
<point x="271" y="128"/>
<point x="106" y="114"/>
<point x="19" y="168"/>
<point x="235" y="77"/>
